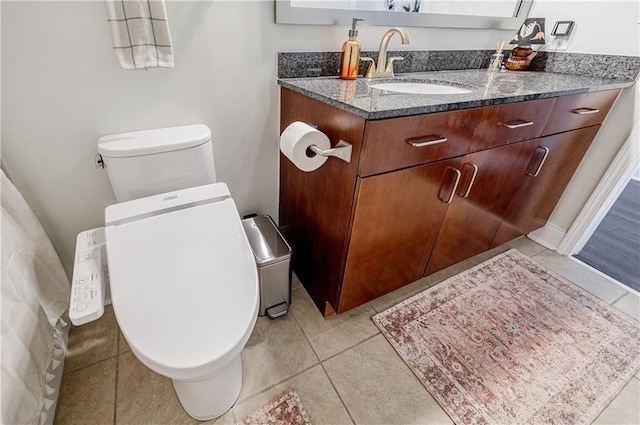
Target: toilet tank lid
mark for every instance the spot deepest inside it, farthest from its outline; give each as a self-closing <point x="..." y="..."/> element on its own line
<point x="158" y="140"/>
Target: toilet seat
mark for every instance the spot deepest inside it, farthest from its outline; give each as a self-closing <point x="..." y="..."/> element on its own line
<point x="184" y="284"/>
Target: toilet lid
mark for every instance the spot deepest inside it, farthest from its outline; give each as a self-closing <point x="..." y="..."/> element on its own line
<point x="183" y="279"/>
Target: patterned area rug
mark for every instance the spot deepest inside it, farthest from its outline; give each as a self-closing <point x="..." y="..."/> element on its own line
<point x="509" y="342"/>
<point x="286" y="409"/>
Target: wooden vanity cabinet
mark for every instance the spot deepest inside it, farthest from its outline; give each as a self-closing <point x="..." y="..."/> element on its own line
<point x="553" y="161"/>
<point x="488" y="180"/>
<point x="580" y="111"/>
<point x="513" y="122"/>
<point x="397" y="143"/>
<point x="395" y="223"/>
<point x="405" y="207"/>
<point x="315" y="208"/>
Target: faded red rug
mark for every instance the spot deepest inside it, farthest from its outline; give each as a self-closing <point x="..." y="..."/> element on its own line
<point x="510" y="342"/>
<point x="286" y="409"/>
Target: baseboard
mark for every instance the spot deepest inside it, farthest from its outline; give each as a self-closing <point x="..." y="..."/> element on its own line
<point x="548" y="236"/>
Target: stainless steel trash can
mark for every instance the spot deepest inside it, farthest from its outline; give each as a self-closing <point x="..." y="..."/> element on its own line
<point x="273" y="258"/>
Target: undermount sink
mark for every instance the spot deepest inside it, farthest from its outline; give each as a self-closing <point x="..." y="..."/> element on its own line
<point x="420" y="88"/>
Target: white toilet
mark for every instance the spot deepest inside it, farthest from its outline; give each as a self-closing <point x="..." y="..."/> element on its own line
<point x="183" y="279"/>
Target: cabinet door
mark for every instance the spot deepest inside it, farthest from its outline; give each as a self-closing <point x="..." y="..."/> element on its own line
<point x="489" y="180"/>
<point x="553" y="161"/>
<point x="395" y="222"/>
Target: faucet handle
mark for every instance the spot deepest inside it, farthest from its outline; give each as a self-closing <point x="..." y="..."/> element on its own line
<point x="390" y="61"/>
<point x="371" y="68"/>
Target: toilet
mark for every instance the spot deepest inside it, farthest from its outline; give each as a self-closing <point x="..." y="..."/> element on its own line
<point x="184" y="283"/>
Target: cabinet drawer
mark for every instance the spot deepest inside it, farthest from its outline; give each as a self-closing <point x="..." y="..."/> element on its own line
<point x="397" y="143"/>
<point x="513" y="122"/>
<point x="580" y="110"/>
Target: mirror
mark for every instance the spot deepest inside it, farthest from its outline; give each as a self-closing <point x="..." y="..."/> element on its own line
<point x="493" y="14"/>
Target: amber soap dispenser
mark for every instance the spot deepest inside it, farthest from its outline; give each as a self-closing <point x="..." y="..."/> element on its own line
<point x="350" y="59"/>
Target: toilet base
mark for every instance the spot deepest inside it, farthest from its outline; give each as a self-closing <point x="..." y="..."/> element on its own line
<point x="212" y="396"/>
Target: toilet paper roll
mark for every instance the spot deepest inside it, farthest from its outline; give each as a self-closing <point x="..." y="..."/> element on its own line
<point x="294" y="141"/>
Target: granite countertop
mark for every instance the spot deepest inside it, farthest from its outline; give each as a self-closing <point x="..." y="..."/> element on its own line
<point x="486" y="89"/>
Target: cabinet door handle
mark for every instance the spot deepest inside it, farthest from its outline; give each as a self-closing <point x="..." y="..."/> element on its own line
<point x="585" y="111"/>
<point x="471" y="180"/>
<point x="544" y="158"/>
<point x="428" y="141"/>
<point x="455" y="186"/>
<point x="517" y="124"/>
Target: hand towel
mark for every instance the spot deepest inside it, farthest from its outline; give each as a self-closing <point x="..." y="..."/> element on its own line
<point x="140" y="33"/>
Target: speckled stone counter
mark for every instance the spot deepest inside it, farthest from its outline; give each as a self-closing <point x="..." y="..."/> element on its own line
<point x="360" y="98"/>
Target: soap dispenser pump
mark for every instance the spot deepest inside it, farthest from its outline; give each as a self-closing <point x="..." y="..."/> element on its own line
<point x="350" y="59"/>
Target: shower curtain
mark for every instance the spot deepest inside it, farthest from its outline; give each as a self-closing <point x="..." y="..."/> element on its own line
<point x="35" y="296"/>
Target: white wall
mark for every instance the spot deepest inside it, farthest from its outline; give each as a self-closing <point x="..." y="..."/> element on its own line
<point x="606" y="27"/>
<point x="62" y="89"/>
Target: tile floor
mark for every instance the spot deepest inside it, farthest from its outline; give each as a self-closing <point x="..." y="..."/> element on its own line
<point x="343" y="369"/>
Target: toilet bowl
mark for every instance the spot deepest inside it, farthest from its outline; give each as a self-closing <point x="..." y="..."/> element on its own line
<point x="184" y="288"/>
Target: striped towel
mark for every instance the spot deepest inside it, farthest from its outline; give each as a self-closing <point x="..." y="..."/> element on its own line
<point x="140" y="33"/>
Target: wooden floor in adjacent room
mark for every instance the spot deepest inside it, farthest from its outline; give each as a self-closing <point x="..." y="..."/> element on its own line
<point x="614" y="248"/>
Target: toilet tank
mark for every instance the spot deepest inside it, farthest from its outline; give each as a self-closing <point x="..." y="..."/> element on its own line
<point x="149" y="162"/>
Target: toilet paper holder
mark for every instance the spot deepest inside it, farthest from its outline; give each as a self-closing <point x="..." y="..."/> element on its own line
<point x="342" y="150"/>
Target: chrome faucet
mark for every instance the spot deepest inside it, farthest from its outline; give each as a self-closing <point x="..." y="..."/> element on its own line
<point x="384" y="68"/>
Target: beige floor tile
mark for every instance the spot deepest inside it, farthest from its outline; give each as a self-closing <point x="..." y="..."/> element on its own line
<point x="145" y="397"/>
<point x="92" y="342"/>
<point x="336" y="333"/>
<point x="276" y="351"/>
<point x="630" y="305"/>
<point x="575" y="272"/>
<point x="295" y="282"/>
<point x="526" y="246"/>
<point x="392" y="298"/>
<point x="624" y="409"/>
<point x="481" y="258"/>
<point x="226" y="419"/>
<point x="123" y="346"/>
<point x="378" y="388"/>
<point x="523" y="244"/>
<point x="450" y="271"/>
<point x="318" y="397"/>
<point x="87" y="396"/>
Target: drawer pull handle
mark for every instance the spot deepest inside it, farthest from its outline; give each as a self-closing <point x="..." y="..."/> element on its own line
<point x="420" y="143"/>
<point x="471" y="180"/>
<point x="517" y="124"/>
<point x="544" y="158"/>
<point x="585" y="111"/>
<point x="454" y="188"/>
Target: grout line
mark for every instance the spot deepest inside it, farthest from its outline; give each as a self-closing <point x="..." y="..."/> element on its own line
<point x="353" y="346"/>
<point x="345" y="349"/>
<point x="295" y="319"/>
<point x="91" y="364"/>
<point x="115" y="390"/>
<point x="619" y="298"/>
<point x="337" y="393"/>
<point x="272" y="386"/>
<point x="306" y="337"/>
